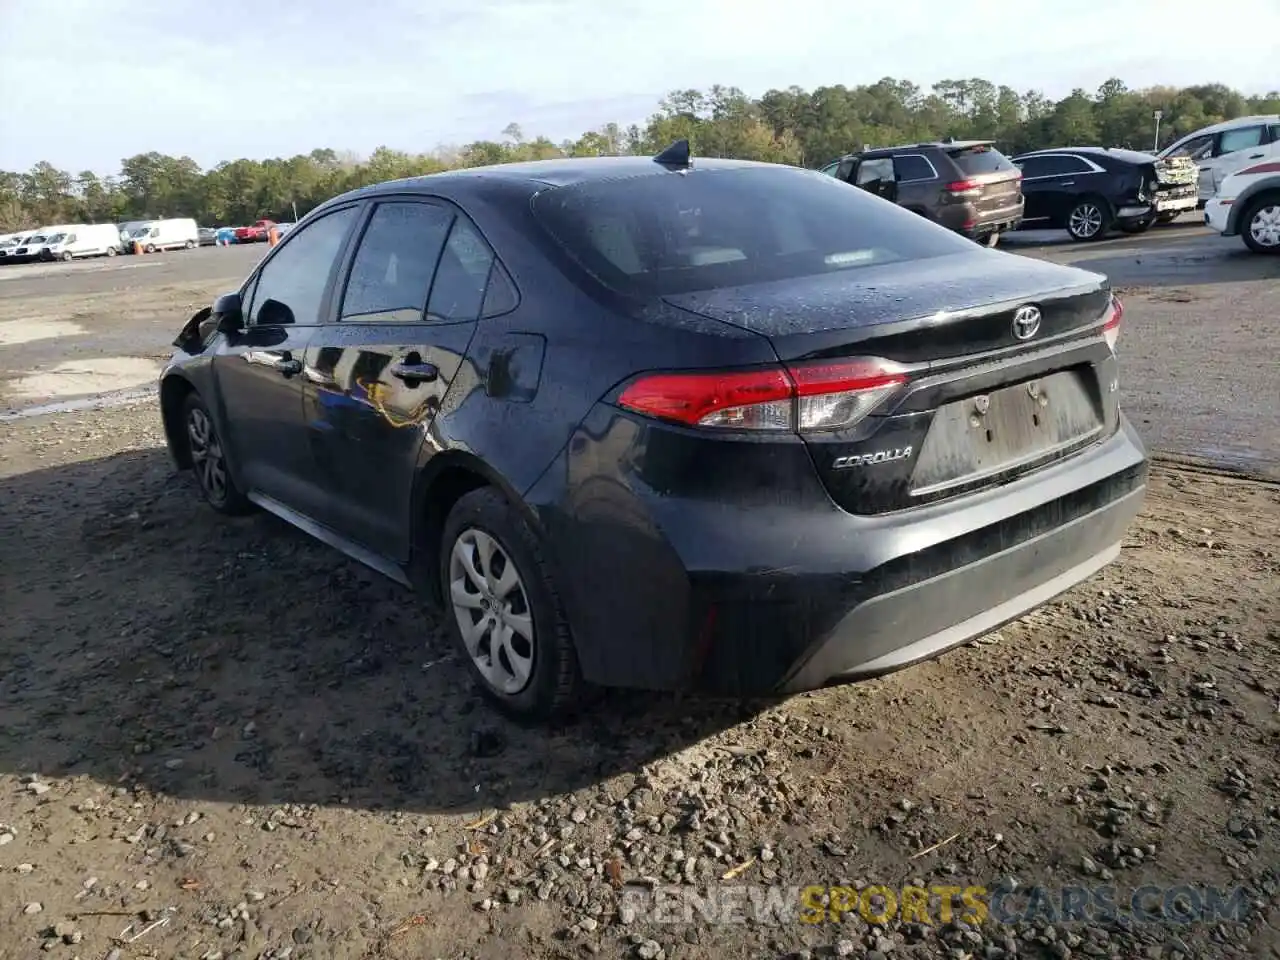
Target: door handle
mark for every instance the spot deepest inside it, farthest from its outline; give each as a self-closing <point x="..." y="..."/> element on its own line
<point x="1256" y="156"/>
<point x="1066" y="183"/>
<point x="281" y="362"/>
<point x="413" y="371"/>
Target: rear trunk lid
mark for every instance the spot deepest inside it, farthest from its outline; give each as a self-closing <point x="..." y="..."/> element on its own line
<point x="987" y="398"/>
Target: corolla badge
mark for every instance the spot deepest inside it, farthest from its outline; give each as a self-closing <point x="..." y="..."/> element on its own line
<point x="1026" y="322"/>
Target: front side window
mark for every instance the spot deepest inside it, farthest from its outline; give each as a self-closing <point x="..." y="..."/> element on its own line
<point x="1196" y="148"/>
<point x="290" y="287"/>
<point x="391" y="275"/>
<point x="674" y="233"/>
<point x="1242" y="139"/>
<point x="869" y="171"/>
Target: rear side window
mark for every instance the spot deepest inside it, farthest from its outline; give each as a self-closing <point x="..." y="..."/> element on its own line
<point x="669" y="233"/>
<point x="391" y="274"/>
<point x="981" y="159"/>
<point x="462" y="277"/>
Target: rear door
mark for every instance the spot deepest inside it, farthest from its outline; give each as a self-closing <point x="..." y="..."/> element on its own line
<point x="257" y="371"/>
<point x="917" y="182"/>
<point x="376" y="377"/>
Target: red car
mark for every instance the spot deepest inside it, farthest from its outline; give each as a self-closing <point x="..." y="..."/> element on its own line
<point x="256" y="233"/>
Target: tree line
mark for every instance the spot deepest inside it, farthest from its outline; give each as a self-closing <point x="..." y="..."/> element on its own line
<point x="795" y="126"/>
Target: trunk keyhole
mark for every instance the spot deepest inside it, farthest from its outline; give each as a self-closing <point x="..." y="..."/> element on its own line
<point x="1035" y="418"/>
<point x="990" y="436"/>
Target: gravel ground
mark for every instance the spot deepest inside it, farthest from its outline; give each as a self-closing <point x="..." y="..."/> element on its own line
<point x="225" y="740"/>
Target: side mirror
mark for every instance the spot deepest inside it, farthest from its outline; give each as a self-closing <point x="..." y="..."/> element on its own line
<point x="229" y="313"/>
<point x="273" y="313"/>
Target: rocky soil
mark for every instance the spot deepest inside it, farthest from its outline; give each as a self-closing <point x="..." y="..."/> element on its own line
<point x="221" y="739"/>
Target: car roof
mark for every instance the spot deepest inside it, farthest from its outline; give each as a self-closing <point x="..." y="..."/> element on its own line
<point x="538" y="174"/>
<point x="1118" y="153"/>
<point x="1232" y="124"/>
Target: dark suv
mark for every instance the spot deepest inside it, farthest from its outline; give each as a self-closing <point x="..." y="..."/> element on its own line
<point x="966" y="185"/>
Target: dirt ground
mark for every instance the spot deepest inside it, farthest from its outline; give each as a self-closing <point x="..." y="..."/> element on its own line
<point x="220" y="739"/>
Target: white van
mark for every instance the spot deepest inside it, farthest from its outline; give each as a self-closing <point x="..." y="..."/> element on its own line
<point x="82" y="240"/>
<point x="1224" y="148"/>
<point x="166" y="235"/>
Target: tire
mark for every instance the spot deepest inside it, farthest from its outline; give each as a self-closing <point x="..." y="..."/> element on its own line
<point x="150" y="248"/>
<point x="209" y="459"/>
<point x="1136" y="226"/>
<point x="112" y="251"/>
<point x="1089" y="220"/>
<point x="534" y="675"/>
<point x="66" y="256"/>
<point x="1260" y="224"/>
<point x="190" y="245"/>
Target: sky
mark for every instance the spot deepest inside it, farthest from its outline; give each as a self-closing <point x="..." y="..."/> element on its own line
<point x="87" y="82"/>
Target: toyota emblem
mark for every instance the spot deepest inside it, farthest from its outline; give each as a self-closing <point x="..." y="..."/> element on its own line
<point x="1026" y="322"/>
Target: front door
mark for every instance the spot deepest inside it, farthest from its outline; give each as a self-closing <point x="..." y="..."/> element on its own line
<point x="259" y="370"/>
<point x="375" y="379"/>
<point x="876" y="176"/>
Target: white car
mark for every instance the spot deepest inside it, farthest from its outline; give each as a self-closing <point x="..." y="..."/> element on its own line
<point x="82" y="240"/>
<point x="1247" y="205"/>
<point x="1222" y="149"/>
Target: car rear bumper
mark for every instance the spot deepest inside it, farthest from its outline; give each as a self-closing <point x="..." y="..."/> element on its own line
<point x="793" y="593"/>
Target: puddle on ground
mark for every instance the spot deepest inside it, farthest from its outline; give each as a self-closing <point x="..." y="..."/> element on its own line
<point x="78" y="378"/>
<point x="14" y="332"/>
<point x="102" y="401"/>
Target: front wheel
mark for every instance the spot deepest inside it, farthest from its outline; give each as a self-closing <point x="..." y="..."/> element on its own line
<point x="209" y="459"/>
<point x="151" y="248"/>
<point x="66" y="256"/>
<point x="503" y="609"/>
<point x="1088" y="220"/>
<point x="112" y="251"/>
<point x="190" y="244"/>
<point x="1260" y="225"/>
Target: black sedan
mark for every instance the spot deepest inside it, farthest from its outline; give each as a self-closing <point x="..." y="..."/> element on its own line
<point x="1089" y="190"/>
<point x="667" y="423"/>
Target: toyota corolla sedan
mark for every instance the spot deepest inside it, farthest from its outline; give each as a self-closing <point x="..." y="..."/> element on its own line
<point x="669" y="423"/>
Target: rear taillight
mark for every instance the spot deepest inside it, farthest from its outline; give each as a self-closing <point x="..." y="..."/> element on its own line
<point x="963" y="188"/>
<point x="1111" y="322"/>
<point x="808" y="397"/>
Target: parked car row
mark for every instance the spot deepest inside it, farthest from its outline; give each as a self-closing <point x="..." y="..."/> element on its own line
<point x="972" y="188"/>
<point x="78" y="240"/>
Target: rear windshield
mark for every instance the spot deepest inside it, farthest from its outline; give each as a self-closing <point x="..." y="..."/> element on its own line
<point x="674" y="233"/>
<point x="976" y="160"/>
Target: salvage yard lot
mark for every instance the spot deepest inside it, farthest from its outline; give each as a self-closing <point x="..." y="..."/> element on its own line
<point x="230" y="728"/>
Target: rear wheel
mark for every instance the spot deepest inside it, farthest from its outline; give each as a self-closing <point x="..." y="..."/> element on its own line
<point x="503" y="609"/>
<point x="209" y="459"/>
<point x="1260" y="225"/>
<point x="189" y="244"/>
<point x="112" y="251"/>
<point x="1088" y="220"/>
